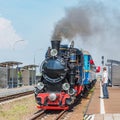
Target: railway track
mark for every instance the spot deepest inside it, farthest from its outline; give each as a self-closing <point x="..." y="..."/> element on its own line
<point x="10" y="97"/>
<point x="38" y="115"/>
<point x="61" y="115"/>
<point x="49" y="115"/>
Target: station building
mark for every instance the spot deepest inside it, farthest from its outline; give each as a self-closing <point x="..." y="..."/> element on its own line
<point x="12" y="75"/>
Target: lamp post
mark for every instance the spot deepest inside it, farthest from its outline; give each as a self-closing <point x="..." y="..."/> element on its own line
<point x="16" y="43"/>
<point x="18" y="72"/>
<point x="34" y="60"/>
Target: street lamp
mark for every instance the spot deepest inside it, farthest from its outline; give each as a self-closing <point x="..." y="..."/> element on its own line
<point x="35" y="62"/>
<point x="17" y="42"/>
<point x="13" y="47"/>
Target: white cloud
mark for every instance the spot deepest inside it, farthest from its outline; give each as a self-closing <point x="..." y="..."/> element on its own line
<point x="8" y="35"/>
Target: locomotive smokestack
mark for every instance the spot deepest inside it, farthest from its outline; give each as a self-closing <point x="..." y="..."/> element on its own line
<point x="55" y="44"/>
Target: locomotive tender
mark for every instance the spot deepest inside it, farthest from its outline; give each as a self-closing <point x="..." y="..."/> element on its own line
<point x="66" y="73"/>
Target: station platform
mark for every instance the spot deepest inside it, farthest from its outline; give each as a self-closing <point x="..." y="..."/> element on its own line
<point x="11" y="91"/>
<point x="104" y="109"/>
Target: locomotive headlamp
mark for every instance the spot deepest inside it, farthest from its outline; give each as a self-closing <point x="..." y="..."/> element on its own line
<point x="53" y="52"/>
<point x="66" y="86"/>
<point x="40" y="85"/>
<point x="52" y="97"/>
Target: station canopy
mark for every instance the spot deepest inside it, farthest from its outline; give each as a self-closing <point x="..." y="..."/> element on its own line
<point x="110" y="61"/>
<point x="30" y="66"/>
<point x="10" y="63"/>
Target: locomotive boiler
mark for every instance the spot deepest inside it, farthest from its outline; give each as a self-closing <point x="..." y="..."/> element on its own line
<point x="63" y="77"/>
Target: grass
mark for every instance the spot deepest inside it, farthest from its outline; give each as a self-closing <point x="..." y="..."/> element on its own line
<point x="18" y="110"/>
<point x="92" y="89"/>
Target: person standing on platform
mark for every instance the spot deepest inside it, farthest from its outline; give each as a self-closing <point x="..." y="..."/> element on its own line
<point x="104" y="83"/>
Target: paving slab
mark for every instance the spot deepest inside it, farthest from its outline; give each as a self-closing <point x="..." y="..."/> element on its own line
<point x="111" y="106"/>
<point x="11" y="91"/>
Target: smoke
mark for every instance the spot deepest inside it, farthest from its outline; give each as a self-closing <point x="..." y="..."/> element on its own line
<point x="74" y="23"/>
<point x="78" y="21"/>
<point x="94" y="25"/>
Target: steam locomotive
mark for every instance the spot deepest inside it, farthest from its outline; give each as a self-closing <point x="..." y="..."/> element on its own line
<point x="66" y="73"/>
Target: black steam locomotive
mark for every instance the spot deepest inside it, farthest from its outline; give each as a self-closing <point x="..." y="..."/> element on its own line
<point x="65" y="72"/>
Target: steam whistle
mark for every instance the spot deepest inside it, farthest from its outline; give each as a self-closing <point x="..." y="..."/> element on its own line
<point x="72" y="44"/>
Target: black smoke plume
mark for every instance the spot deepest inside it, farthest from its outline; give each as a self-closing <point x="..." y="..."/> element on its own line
<point x="74" y="23"/>
<point x="95" y="24"/>
<point x="78" y="21"/>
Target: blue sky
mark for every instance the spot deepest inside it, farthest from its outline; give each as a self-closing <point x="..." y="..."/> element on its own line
<point x="31" y="24"/>
<point x="32" y="21"/>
